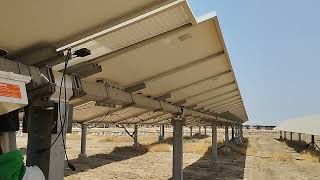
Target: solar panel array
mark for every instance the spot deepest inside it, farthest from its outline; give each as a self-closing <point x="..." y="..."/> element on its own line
<point x="158" y="49"/>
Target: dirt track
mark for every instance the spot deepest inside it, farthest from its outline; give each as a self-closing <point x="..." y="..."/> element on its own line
<point x="266" y="158"/>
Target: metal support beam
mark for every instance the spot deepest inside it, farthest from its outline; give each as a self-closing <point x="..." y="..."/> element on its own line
<point x="214" y="147"/>
<point x="226" y="138"/>
<point x="299" y="137"/>
<point x="180" y="103"/>
<point x="135" y="143"/>
<point x="83" y="141"/>
<point x="192" y="106"/>
<point x="135" y="88"/>
<point x="177" y="122"/>
<point x="98" y="91"/>
<point x="199" y="132"/>
<point x="84" y="69"/>
<point x="191" y="131"/>
<point x="291" y="133"/>
<point x="281" y="137"/>
<point x="163" y="97"/>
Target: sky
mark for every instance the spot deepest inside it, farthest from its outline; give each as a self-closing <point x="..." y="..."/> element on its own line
<point x="274" y="46"/>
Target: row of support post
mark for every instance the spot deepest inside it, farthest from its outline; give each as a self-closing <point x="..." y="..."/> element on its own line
<point x="177" y="123"/>
<point x="291" y="137"/>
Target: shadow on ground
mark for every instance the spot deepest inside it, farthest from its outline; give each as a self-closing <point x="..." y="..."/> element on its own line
<point x="230" y="165"/>
<point x="118" y="154"/>
<point x="302" y="147"/>
<point x="97" y="160"/>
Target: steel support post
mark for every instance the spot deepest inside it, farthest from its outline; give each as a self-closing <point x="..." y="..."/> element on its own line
<point x="226" y="138"/>
<point x="238" y="132"/>
<point x="83" y="141"/>
<point x="285" y="135"/>
<point x="214" y="141"/>
<point x="232" y="132"/>
<point x="281" y="135"/>
<point x="299" y="137"/>
<point x="312" y="141"/>
<point x="205" y="130"/>
<point x="135" y="143"/>
<point x="161" y="133"/>
<point x="177" y="173"/>
<point x="291" y="134"/>
<point x="199" y="132"/>
<point x="241" y="133"/>
<point x="191" y="131"/>
<point x="43" y="129"/>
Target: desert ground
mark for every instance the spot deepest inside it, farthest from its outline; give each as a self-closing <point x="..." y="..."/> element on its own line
<point x="261" y="156"/>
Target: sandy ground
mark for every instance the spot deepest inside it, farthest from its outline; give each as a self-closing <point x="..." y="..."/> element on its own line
<point x="261" y="157"/>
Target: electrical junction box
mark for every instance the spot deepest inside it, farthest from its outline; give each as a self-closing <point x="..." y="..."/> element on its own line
<point x="13" y="93"/>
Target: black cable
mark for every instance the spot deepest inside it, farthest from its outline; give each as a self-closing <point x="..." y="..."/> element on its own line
<point x="55" y="140"/>
<point x="71" y="166"/>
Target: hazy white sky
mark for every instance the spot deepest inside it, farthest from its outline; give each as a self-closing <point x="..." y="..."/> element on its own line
<point x="274" y="47"/>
